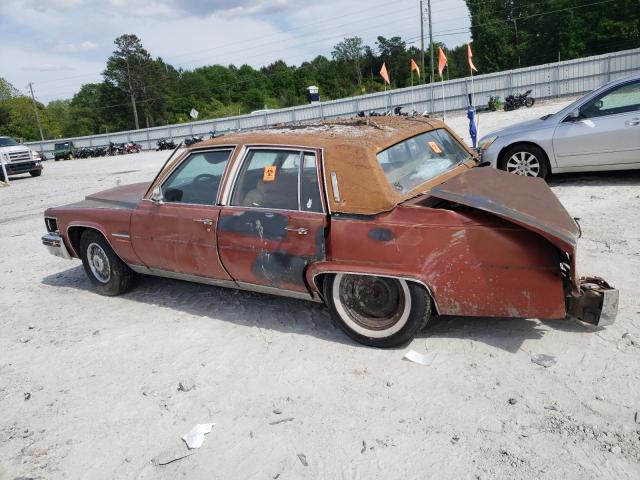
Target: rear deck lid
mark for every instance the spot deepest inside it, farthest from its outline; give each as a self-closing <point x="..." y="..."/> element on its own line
<point x="525" y="201"/>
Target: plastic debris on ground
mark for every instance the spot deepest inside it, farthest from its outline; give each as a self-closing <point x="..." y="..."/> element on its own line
<point x="195" y="437"/>
<point x="421" y="358"/>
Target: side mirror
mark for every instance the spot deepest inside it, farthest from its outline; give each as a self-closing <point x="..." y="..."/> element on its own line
<point x="156" y="196"/>
<point x="573" y="116"/>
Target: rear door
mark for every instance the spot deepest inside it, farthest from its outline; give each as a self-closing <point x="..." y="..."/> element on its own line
<point x="179" y="234"/>
<point x="607" y="132"/>
<point x="273" y="222"/>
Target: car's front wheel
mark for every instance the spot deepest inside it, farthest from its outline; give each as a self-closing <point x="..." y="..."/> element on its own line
<point x="377" y="311"/>
<point x="35" y="173"/>
<point x="110" y="275"/>
<point x="526" y="160"/>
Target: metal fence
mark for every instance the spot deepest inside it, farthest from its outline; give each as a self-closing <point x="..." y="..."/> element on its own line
<point x="546" y="81"/>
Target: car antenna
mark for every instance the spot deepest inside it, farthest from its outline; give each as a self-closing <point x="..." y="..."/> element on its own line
<point x="165" y="164"/>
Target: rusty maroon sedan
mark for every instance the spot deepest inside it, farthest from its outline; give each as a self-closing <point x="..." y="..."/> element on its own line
<point x="389" y="222"/>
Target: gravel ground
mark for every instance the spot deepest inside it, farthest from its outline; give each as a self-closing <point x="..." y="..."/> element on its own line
<point x="103" y="388"/>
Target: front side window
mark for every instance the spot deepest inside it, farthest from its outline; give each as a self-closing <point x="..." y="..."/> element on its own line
<point x="622" y="99"/>
<point x="197" y="179"/>
<point x="279" y="179"/>
<point x="421" y="158"/>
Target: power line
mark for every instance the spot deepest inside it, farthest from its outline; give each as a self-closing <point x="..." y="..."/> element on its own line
<point x="408" y="41"/>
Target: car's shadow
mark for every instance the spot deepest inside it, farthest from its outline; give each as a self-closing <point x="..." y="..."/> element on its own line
<point x="504" y="333"/>
<point x="297" y="316"/>
<point x="596" y="179"/>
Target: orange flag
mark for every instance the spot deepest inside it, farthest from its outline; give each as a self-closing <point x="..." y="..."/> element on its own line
<point x="470" y="57"/>
<point x="384" y="74"/>
<point x="414" y="66"/>
<point x="442" y="61"/>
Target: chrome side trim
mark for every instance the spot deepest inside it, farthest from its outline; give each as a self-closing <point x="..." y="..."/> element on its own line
<point x="55" y="245"/>
<point x="182" y="276"/>
<point x="121" y="235"/>
<point x="224" y="283"/>
<point x="277" y="291"/>
<point x="408" y="279"/>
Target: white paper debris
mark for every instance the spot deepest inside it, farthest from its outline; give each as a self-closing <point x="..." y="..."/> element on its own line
<point x="421" y="358"/>
<point x="544" y="360"/>
<point x="195" y="437"/>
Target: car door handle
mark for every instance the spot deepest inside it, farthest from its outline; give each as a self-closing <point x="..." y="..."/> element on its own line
<point x="301" y="230"/>
<point x="207" y="222"/>
<point x="633" y="122"/>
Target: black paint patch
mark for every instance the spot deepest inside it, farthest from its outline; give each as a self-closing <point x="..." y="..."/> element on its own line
<point x="268" y="225"/>
<point x="381" y="234"/>
<point x="277" y="268"/>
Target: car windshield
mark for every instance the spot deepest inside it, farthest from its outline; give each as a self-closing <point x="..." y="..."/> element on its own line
<point x="59" y="146"/>
<point x="7" y="142"/>
<point x="421" y="158"/>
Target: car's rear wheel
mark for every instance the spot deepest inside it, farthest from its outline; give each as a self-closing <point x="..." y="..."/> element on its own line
<point x="109" y="274"/>
<point x="35" y="173"/>
<point x="526" y="160"/>
<point x="377" y="311"/>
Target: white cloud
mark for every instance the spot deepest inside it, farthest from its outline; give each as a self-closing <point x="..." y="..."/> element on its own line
<point x="75" y="37"/>
<point x="76" y="47"/>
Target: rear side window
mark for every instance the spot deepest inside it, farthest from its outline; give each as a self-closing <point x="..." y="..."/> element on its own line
<point x="197" y="178"/>
<point x="278" y="179"/>
<point x="418" y="159"/>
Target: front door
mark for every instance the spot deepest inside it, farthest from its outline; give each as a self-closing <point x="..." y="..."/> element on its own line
<point x="179" y="234"/>
<point x="274" y="222"/>
<point x="606" y="133"/>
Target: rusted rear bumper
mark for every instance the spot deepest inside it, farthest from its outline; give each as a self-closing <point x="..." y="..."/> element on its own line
<point x="597" y="302"/>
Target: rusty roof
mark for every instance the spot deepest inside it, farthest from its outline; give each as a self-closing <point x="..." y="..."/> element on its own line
<point x="381" y="132"/>
<point x="349" y="148"/>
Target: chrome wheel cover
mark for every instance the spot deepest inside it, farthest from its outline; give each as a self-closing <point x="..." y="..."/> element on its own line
<point x="376" y="307"/>
<point x="98" y="263"/>
<point x="524" y="163"/>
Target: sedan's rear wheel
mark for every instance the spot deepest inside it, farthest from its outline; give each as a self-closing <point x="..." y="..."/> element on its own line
<point x="377" y="311"/>
<point x="525" y="160"/>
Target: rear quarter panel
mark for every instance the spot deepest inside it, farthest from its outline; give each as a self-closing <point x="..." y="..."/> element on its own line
<point x="474" y="264"/>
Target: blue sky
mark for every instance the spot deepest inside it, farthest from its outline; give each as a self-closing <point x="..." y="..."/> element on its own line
<point x="61" y="44"/>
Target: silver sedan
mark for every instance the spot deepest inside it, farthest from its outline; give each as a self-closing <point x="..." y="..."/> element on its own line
<point x="600" y="131"/>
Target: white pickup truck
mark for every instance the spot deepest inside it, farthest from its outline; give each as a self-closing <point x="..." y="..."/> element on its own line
<point x="18" y="158"/>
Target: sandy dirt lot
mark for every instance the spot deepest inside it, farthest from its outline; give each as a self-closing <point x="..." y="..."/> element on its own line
<point x="102" y="388"/>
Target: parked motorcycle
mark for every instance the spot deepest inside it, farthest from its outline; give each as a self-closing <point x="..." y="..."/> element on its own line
<point x="494" y="103"/>
<point x="115" y="148"/>
<point x="99" y="151"/>
<point x="513" y="102"/>
<point x="132" y="148"/>
<point x="164" y="144"/>
<point x="193" y="139"/>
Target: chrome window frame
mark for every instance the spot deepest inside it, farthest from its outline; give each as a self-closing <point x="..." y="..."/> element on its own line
<point x="236" y="168"/>
<point x="232" y="149"/>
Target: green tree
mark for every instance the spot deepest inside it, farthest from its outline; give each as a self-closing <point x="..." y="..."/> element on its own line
<point x="126" y="69"/>
<point x="348" y="53"/>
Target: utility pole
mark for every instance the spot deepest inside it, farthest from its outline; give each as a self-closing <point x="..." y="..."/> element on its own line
<point x="35" y="109"/>
<point x="515" y="25"/>
<point x="424" y="74"/>
<point x="433" y="75"/>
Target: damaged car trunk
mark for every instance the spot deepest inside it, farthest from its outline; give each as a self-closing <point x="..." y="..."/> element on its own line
<point x="531" y="204"/>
